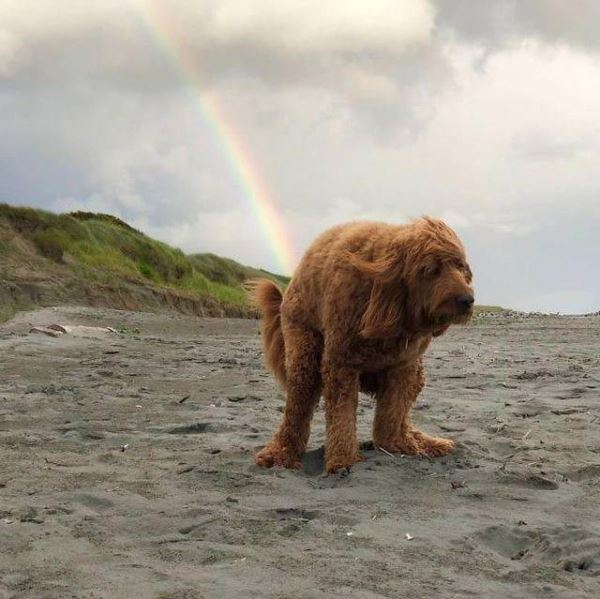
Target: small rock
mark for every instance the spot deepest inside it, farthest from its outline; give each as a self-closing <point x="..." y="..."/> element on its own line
<point x="227" y="361"/>
<point x="30" y="514"/>
<point x="458" y="484"/>
<point x="58" y="327"/>
<point x="185" y="469"/>
<point x="45" y="331"/>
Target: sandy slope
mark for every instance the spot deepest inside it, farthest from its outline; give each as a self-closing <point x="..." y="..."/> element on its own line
<point x="126" y="469"/>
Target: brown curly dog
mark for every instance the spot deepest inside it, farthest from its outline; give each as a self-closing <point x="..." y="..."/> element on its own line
<point x="359" y="313"/>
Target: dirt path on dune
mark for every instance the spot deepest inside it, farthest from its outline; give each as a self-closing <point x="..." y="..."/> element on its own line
<point x="126" y="468"/>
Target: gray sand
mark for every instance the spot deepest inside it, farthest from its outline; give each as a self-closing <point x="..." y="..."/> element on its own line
<point x="127" y="468"/>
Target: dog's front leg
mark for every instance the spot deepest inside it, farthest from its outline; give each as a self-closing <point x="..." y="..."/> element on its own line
<point x="392" y="427"/>
<point x="340" y="392"/>
<point x="396" y="395"/>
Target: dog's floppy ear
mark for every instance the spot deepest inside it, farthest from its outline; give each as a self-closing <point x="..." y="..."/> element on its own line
<point x="385" y="315"/>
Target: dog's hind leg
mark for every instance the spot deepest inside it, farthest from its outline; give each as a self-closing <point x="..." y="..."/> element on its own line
<point x="392" y="427"/>
<point x="303" y="350"/>
<point x="340" y="392"/>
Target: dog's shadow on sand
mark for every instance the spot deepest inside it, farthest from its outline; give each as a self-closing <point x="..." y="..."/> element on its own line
<point x="313" y="462"/>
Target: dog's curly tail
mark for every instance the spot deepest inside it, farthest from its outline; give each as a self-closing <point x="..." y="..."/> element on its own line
<point x="265" y="295"/>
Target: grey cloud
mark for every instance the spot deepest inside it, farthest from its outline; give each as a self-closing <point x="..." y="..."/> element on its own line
<point x="112" y="152"/>
<point x="377" y="59"/>
<point x="219" y="38"/>
<point x="497" y="23"/>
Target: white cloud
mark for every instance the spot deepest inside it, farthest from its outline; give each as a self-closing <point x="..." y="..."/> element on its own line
<point x="313" y="26"/>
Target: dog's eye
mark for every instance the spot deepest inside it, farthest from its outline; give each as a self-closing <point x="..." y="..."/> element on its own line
<point x="464" y="268"/>
<point x="468" y="273"/>
<point x="432" y="270"/>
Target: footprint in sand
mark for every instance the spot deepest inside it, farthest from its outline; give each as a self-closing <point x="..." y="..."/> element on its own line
<point x="293" y="513"/>
<point x="528" y="481"/>
<point x="568" y="548"/>
<point x="196" y="428"/>
<point x="589" y="473"/>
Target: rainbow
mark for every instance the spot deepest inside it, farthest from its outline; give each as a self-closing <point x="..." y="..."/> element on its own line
<point x="161" y="28"/>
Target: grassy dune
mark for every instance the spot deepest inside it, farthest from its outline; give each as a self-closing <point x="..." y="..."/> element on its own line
<point x="89" y="253"/>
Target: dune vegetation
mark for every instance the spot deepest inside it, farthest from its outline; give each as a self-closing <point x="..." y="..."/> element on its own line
<point x="99" y="259"/>
<point x="483" y="309"/>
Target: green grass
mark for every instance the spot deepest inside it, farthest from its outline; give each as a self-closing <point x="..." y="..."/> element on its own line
<point x="229" y="272"/>
<point x="7" y="311"/>
<point x="487" y="309"/>
<point x="101" y="247"/>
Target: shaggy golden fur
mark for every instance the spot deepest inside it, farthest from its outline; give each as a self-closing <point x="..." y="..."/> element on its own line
<point x="359" y="313"/>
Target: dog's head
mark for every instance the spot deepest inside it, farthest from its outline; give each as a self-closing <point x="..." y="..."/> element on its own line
<point x="422" y="283"/>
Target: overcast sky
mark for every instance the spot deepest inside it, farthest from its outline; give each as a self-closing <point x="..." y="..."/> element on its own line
<point x="485" y="114"/>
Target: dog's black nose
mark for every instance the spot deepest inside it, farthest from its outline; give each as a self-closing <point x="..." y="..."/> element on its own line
<point x="464" y="302"/>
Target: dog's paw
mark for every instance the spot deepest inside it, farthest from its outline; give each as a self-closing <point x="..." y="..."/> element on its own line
<point x="433" y="447"/>
<point x="341" y="465"/>
<point x="406" y="445"/>
<point x="273" y="455"/>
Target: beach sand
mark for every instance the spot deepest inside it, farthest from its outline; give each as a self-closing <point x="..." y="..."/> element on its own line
<point x="126" y="468"/>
